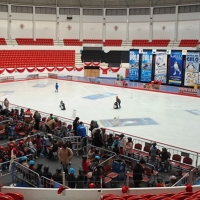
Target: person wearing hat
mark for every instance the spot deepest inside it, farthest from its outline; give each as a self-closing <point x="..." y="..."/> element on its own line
<point x="71" y="179"/>
<point x="116" y="141"/>
<point x="137" y="173"/>
<point x="23" y="161"/>
<point x="98" y="170"/>
<point x="122" y="143"/>
<point x="31" y="165"/>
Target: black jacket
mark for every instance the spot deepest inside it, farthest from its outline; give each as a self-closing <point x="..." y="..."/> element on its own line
<point x="137" y="172"/>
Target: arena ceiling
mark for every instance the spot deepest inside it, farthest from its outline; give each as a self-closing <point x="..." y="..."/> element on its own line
<point x="101" y="3"/>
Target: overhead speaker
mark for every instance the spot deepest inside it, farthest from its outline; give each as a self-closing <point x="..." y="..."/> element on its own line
<point x="69" y="17"/>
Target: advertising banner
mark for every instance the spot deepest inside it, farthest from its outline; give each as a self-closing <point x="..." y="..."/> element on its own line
<point x="191" y="69"/>
<point x="161" y="67"/>
<point x="134" y="65"/>
<point x="175" y="72"/>
<point x="146" y="69"/>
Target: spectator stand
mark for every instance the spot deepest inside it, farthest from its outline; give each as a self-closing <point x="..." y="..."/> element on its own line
<point x="192" y="162"/>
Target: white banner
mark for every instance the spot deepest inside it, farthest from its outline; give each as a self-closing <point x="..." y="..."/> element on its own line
<point x="161" y="67"/>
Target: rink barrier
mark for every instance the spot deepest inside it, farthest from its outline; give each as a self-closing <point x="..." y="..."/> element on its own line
<point x="131" y="85"/>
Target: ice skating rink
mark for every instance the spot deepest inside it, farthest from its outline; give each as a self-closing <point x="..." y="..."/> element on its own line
<point x="167" y="118"/>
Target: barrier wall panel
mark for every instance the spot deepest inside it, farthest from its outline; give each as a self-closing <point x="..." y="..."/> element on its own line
<point x="68" y="30"/>
<point x="116" y="31"/>
<point x="138" y="31"/>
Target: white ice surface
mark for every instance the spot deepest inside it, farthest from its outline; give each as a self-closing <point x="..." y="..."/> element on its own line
<point x="175" y="126"/>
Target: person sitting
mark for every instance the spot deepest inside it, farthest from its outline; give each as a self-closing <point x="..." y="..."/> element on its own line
<point x="109" y="141"/>
<point x="48" y="175"/>
<point x="31" y="165"/>
<point x="39" y="169"/>
<point x="53" y="149"/>
<point x="115" y="106"/>
<point x="164" y="162"/>
<point x="116" y="149"/>
<point x="171" y="182"/>
<point x="62" y="105"/>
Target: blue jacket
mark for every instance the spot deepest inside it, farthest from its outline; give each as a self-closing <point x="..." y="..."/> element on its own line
<point x="56" y="86"/>
<point x="81" y="131"/>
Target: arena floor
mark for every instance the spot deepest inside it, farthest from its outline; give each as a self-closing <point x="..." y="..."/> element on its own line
<point x="167" y="118"/>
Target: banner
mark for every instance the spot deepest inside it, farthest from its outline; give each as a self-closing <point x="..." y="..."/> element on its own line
<point x="191" y="69"/>
<point x="175" y="72"/>
<point x="146" y="70"/>
<point x="133" y="65"/>
<point x="161" y="67"/>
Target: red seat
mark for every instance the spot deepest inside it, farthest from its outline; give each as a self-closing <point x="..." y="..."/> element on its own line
<point x="109" y="195"/>
<point x="187" y="163"/>
<point x="6" y="197"/>
<point x="127" y="196"/>
<point x="16" y="196"/>
<point x="176" y="159"/>
<point x="109" y="173"/>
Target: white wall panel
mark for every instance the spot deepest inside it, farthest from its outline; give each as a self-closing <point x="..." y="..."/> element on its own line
<point x="3" y="15"/>
<point x="164" y="17"/>
<point x="65" y="32"/>
<point x="120" y="18"/>
<point x="92" y="30"/>
<point x="188" y="30"/>
<point x="45" y="17"/>
<point x="163" y="30"/>
<point x="3" y="29"/>
<point x="138" y="31"/>
<point x="45" y="29"/>
<point x="26" y="32"/>
<point x="116" y="31"/>
<point x="188" y="16"/>
<point x="22" y="16"/>
<point x="139" y="18"/>
<point x="75" y="18"/>
<point x="90" y="18"/>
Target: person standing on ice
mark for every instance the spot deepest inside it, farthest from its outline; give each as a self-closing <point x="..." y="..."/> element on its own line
<point x="56" y="86"/>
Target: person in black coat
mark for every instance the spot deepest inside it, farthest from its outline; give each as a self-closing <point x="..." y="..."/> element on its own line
<point x="137" y="173"/>
<point x="97" y="139"/>
<point x="75" y="125"/>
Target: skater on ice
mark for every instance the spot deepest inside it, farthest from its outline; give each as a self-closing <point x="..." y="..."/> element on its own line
<point x="115" y="106"/>
<point x="62" y="105"/>
<point x="118" y="101"/>
<point x="56" y="87"/>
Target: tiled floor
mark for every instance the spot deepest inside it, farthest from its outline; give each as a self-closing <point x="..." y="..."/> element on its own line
<point x="172" y="119"/>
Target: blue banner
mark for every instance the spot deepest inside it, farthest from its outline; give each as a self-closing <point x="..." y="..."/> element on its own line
<point x="191" y="69"/>
<point x="175" y="72"/>
<point x="134" y="65"/>
<point x="146" y="69"/>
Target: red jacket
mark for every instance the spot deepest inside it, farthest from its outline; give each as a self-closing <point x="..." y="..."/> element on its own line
<point x="85" y="166"/>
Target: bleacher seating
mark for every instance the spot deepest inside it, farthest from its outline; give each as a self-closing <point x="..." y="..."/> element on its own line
<point x="188" y="43"/>
<point x="26" y="58"/>
<point x="11" y="196"/>
<point x="112" y="43"/>
<point x="3" y="41"/>
<point x="92" y="41"/>
<point x="38" y="41"/>
<point x="146" y="43"/>
<point x="162" y="196"/>
<point x="72" y="42"/>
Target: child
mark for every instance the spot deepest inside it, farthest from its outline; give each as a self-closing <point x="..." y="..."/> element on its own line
<point x="31" y="165"/>
<point x="160" y="182"/>
<point x="56" y="86"/>
<point x="71" y="179"/>
<point x="62" y="105"/>
<point x="115" y="106"/>
<point x="118" y="101"/>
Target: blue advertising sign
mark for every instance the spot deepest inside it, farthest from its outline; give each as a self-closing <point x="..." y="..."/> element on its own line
<point x="191" y="69"/>
<point x="146" y="69"/>
<point x="134" y="65"/>
<point x="175" y="72"/>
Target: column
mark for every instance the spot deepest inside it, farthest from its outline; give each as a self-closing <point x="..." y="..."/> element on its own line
<point x="104" y="25"/>
<point x="9" y="33"/>
<point x="57" y="24"/>
<point x="176" y="25"/>
<point x="151" y="25"/>
<point x="34" y="33"/>
<point x="127" y="26"/>
<point x="81" y="25"/>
